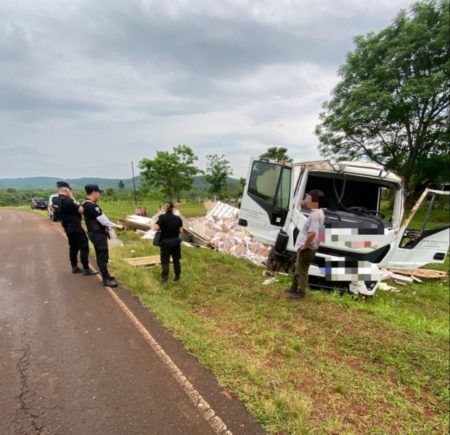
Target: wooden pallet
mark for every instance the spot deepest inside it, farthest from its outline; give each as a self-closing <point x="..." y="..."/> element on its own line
<point x="420" y="273"/>
<point x="151" y="260"/>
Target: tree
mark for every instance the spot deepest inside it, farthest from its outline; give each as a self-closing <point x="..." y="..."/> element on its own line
<point x="110" y="192"/>
<point x="121" y="185"/>
<point x="276" y="153"/>
<point x="242" y="183"/>
<point x="217" y="172"/>
<point x="170" y="172"/>
<point x="392" y="103"/>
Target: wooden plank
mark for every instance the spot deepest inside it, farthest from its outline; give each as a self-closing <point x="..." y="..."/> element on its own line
<point x="151" y="260"/>
<point x="420" y="273"/>
<point x="401" y="278"/>
<point x="135" y="225"/>
<point x="195" y="239"/>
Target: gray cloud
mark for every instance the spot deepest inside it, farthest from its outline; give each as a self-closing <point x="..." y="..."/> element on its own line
<point x="115" y="80"/>
<point x="20" y="98"/>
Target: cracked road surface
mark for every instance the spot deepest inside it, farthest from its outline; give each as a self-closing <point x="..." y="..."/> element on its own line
<point x="72" y="362"/>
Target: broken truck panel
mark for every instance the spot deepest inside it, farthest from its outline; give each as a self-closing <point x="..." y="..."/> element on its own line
<point x="416" y="247"/>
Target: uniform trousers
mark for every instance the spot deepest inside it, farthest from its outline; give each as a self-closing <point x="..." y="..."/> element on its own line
<point x="100" y="242"/>
<point x="78" y="243"/>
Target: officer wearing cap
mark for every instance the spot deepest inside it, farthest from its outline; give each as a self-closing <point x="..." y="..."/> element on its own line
<point x="69" y="211"/>
<point x="97" y="225"/>
<point x="171" y="226"/>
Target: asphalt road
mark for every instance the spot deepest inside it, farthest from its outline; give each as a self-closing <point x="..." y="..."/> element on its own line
<point x="72" y="361"/>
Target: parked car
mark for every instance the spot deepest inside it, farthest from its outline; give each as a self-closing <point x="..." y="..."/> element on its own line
<point x="50" y="206"/>
<point x="39" y="203"/>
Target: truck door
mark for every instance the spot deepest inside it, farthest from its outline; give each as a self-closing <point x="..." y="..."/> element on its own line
<point x="424" y="237"/>
<point x="265" y="203"/>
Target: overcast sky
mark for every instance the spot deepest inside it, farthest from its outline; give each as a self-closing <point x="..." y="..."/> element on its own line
<point x="87" y="86"/>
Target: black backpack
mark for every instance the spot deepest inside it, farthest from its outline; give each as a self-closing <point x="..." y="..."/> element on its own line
<point x="57" y="204"/>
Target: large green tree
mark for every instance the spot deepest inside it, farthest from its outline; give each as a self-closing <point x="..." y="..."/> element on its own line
<point x="392" y="102"/>
<point x="217" y="172"/>
<point x="276" y="153"/>
<point x="170" y="172"/>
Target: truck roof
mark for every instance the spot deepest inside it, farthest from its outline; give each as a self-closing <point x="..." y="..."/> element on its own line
<point x="362" y="169"/>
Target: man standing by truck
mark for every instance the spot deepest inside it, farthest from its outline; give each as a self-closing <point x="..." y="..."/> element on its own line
<point x="307" y="243"/>
<point x="97" y="225"/>
<point x="69" y="212"/>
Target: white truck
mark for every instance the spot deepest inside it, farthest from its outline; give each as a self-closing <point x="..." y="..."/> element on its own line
<point x="360" y="237"/>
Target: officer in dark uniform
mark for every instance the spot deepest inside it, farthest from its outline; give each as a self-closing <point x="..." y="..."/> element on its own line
<point x="170" y="226"/>
<point x="69" y="211"/>
<point x="97" y="225"/>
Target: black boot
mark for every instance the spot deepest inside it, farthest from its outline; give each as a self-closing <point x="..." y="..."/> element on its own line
<point x="76" y="269"/>
<point x="87" y="271"/>
<point x="109" y="282"/>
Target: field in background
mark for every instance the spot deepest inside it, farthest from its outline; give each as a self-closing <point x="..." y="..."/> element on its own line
<point x="120" y="209"/>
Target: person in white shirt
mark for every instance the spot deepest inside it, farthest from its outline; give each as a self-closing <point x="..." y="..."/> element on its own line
<point x="307" y="243"/>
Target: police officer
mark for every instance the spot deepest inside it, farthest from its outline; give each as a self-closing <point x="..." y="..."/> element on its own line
<point x="170" y="226"/>
<point x="97" y="225"/>
<point x="69" y="211"/>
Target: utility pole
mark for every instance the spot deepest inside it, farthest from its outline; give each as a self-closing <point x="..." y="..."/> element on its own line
<point x="134" y="184"/>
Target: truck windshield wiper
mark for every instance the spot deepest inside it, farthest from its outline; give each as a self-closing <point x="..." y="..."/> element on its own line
<point x="362" y="211"/>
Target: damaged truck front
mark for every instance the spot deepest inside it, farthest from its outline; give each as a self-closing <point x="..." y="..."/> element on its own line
<point x="363" y="205"/>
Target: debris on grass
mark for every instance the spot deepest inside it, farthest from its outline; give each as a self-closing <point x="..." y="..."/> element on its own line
<point x="387" y="288"/>
<point x="148" y="261"/>
<point x="218" y="230"/>
<point x="420" y="273"/>
<point x="400" y="278"/>
<point x="221" y="229"/>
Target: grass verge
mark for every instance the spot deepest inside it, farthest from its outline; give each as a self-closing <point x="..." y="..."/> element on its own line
<point x="328" y="364"/>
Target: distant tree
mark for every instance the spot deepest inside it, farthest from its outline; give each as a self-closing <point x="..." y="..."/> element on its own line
<point x="170" y="172"/>
<point x="217" y="172"/>
<point x="121" y="185"/>
<point x="392" y="103"/>
<point x="276" y="153"/>
<point x="109" y="192"/>
<point x="242" y="183"/>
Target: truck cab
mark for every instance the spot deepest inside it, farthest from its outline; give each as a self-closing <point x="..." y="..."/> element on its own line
<point x="363" y="219"/>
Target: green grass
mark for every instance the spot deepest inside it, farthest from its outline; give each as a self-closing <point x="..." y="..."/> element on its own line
<point x="328" y="364"/>
<point x="440" y="213"/>
<point x="119" y="209"/>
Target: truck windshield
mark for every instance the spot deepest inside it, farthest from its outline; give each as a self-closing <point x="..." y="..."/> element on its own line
<point x="354" y="194"/>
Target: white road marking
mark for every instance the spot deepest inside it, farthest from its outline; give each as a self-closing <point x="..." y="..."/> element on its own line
<point x="216" y="423"/>
<point x="202" y="405"/>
